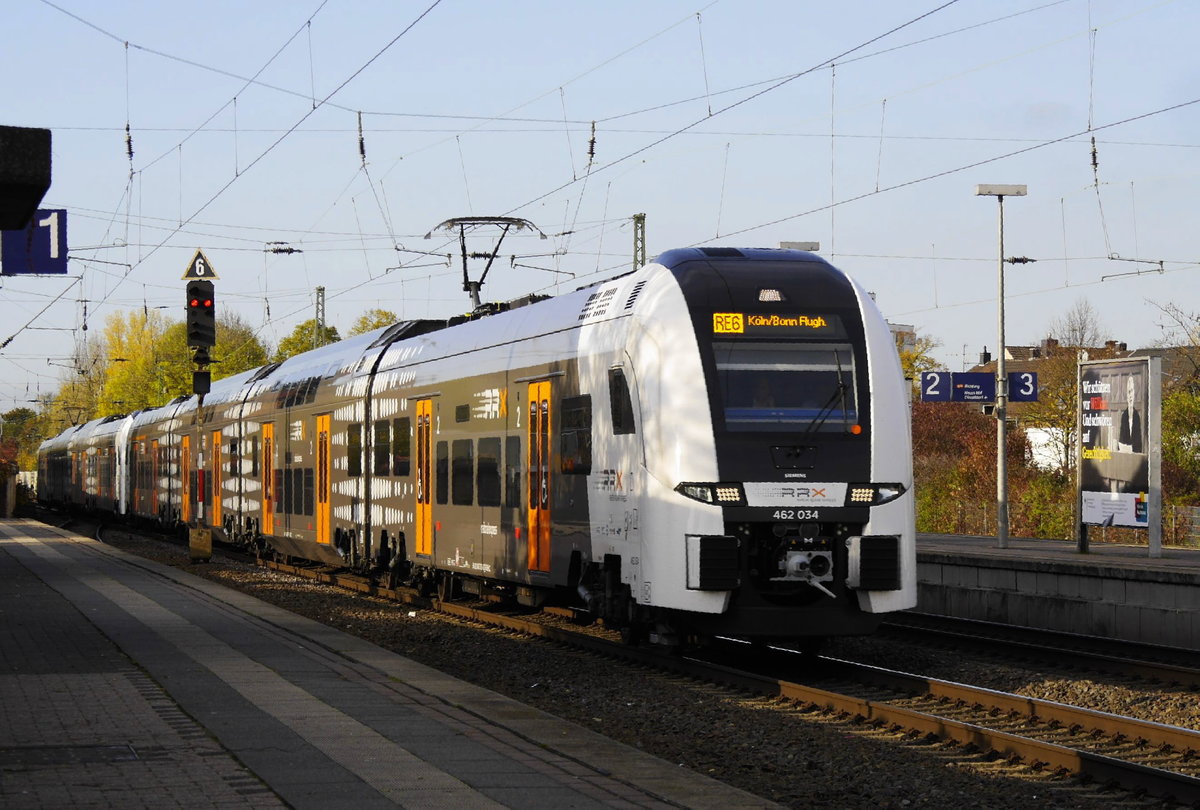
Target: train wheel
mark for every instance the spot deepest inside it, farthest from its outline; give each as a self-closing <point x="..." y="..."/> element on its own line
<point x="447" y="587"/>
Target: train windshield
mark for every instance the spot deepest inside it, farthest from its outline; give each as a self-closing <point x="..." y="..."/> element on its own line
<point x="787" y="386"/>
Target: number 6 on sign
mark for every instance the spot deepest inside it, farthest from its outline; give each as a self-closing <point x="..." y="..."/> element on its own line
<point x="199" y="267"/>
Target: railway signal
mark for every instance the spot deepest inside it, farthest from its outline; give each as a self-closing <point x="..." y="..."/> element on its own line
<point x="201" y="314"/>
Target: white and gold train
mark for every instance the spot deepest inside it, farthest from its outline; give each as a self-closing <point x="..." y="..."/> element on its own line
<point x="716" y="444"/>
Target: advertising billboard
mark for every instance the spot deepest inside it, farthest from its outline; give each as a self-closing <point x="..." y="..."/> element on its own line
<point x="1118" y="425"/>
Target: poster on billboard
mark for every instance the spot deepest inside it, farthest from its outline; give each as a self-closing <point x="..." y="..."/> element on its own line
<point x="1118" y="429"/>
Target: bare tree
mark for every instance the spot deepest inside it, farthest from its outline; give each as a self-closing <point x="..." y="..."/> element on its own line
<point x="1079" y="327"/>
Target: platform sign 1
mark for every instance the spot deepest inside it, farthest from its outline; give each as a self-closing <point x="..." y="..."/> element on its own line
<point x="1022" y="386"/>
<point x="38" y="249"/>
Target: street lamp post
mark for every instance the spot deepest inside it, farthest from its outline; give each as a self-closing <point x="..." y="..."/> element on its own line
<point x="1000" y="192"/>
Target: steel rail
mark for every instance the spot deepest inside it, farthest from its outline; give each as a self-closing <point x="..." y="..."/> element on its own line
<point x="1163" y="672"/>
<point x="1158" y="734"/>
<point x="1088" y="764"/>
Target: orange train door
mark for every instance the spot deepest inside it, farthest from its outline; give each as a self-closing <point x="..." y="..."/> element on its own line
<point x="424" y="539"/>
<point x="539" y="476"/>
<point x="185" y="464"/>
<point x="323" y="467"/>
<point x="215" y="513"/>
<point x="268" y="478"/>
<point x="155" y="506"/>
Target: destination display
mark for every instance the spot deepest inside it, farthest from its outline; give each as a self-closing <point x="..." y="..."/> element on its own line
<point x="790" y="323"/>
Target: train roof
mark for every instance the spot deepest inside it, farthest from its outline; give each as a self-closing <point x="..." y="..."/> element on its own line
<point x="677" y="256"/>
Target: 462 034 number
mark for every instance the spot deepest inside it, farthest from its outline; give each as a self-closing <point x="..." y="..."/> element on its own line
<point x="797" y="514"/>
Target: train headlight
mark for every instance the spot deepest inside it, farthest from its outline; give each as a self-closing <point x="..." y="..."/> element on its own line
<point x="873" y="494"/>
<point x="718" y="494"/>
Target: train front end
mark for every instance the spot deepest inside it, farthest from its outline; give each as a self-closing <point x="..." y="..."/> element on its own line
<point x="799" y="509"/>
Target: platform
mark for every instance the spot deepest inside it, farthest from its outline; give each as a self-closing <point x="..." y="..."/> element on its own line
<point x="1113" y="591"/>
<point x="124" y="683"/>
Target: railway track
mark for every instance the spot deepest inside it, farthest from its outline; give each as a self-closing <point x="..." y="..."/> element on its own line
<point x="1145" y="757"/>
<point x="1134" y="754"/>
<point x="1087" y="653"/>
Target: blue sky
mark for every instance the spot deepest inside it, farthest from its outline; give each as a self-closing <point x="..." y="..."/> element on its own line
<point x="863" y="126"/>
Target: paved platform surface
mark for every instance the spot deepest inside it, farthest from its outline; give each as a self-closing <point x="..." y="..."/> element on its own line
<point x="1174" y="559"/>
<point x="126" y="684"/>
<point x="1113" y="591"/>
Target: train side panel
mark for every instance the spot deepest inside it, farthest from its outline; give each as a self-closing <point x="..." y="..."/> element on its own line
<point x="891" y="458"/>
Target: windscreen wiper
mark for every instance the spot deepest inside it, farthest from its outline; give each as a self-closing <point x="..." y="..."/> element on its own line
<point x="839" y="394"/>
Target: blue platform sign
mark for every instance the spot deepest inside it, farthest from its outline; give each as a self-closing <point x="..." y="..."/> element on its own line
<point x="974" y="386"/>
<point x="936" y="386"/>
<point x="40" y="248"/>
<point x="1022" y="386"/>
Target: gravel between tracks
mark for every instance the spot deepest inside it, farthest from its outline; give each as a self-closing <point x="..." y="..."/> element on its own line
<point x="772" y="748"/>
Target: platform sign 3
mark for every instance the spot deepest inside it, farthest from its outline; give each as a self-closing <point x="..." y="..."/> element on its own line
<point x="1022" y="386"/>
<point x="39" y="249"/>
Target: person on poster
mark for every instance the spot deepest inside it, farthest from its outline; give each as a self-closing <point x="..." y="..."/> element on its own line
<point x="1130" y="439"/>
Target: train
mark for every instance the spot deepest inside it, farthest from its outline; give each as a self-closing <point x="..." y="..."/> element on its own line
<point x="716" y="444"/>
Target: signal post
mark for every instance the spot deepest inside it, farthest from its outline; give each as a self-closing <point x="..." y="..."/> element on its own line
<point x="201" y="336"/>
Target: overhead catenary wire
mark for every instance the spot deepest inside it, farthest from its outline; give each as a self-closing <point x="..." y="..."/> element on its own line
<point x="574" y="227"/>
<point x="958" y="169"/>
<point x="703" y="60"/>
<point x="270" y="148"/>
<point x="745" y="100"/>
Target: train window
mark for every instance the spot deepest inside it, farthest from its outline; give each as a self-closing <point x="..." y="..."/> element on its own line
<point x="620" y="402"/>
<point x="462" y="413"/>
<point x="293" y="481"/>
<point x="401" y="444"/>
<point x="283" y="498"/>
<point x="298" y="491"/>
<point x="254" y="456"/>
<point x="308" y="491"/>
<point x="576" y="438"/>
<point x="354" y="449"/>
<point x="787" y="386"/>
<point x="512" y="472"/>
<point x="234" y="461"/>
<point x="443" y="472"/>
<point x="462" y="484"/>
<point x="487" y="473"/>
<point x="383" y="447"/>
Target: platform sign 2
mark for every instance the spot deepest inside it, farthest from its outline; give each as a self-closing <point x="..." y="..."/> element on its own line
<point x="40" y="248"/>
<point x="936" y="386"/>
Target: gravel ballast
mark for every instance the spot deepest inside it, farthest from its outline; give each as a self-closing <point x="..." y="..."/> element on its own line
<point x="771" y="747"/>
